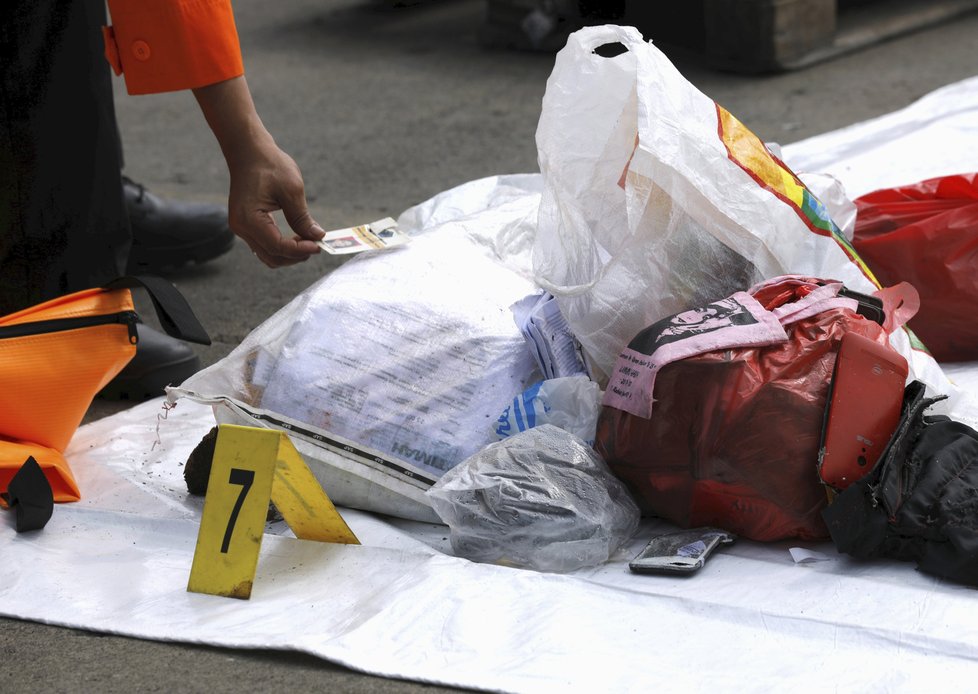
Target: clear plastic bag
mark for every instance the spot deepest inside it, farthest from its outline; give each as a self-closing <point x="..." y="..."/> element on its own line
<point x="541" y="499"/>
<point x="389" y="370"/>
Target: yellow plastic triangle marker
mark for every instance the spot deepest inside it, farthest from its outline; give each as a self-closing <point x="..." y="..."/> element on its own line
<point x="302" y="502"/>
<point x="252" y="466"/>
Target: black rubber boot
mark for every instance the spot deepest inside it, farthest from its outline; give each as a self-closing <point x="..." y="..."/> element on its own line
<point x="160" y="361"/>
<point x="167" y="234"/>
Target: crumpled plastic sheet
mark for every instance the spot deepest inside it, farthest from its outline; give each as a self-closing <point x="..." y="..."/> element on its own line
<point x="400" y="605"/>
<point x="934" y="136"/>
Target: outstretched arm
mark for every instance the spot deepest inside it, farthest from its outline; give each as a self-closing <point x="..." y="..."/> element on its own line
<point x="264" y="179"/>
<point x="166" y="45"/>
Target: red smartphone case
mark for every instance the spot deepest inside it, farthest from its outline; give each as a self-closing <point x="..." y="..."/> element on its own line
<point x="862" y="411"/>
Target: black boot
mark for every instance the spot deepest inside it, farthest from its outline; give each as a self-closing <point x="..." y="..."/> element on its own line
<point x="168" y="233"/>
<point x="160" y="361"/>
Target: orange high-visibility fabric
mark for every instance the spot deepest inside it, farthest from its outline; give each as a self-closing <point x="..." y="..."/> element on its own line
<point x="48" y="381"/>
<point x="169" y="45"/>
<point x="52" y="463"/>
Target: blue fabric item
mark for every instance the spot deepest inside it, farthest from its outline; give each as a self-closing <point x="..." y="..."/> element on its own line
<point x="522" y="414"/>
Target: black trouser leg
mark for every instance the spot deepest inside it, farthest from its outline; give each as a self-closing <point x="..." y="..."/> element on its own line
<point x="63" y="224"/>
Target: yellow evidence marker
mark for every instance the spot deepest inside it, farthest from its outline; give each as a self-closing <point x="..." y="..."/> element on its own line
<point x="251" y="466"/>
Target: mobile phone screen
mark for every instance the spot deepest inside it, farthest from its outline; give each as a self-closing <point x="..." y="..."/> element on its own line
<point x="684" y="551"/>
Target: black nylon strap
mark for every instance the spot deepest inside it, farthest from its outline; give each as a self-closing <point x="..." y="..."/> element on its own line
<point x="176" y="316"/>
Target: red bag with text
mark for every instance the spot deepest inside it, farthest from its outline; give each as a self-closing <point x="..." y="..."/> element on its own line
<point x="729" y="436"/>
<point x="927" y="234"/>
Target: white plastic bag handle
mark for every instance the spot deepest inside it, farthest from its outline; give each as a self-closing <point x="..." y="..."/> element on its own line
<point x="590" y="38"/>
<point x="578" y="57"/>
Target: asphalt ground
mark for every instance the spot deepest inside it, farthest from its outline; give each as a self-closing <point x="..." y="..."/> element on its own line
<point x="384" y="105"/>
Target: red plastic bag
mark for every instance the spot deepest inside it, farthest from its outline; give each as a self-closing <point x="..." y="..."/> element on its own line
<point x="733" y="438"/>
<point x="927" y="234"/>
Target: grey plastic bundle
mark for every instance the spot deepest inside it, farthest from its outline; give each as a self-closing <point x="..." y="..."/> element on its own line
<point x="542" y="499"/>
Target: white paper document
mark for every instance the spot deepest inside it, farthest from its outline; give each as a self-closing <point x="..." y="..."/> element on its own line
<point x="548" y="337"/>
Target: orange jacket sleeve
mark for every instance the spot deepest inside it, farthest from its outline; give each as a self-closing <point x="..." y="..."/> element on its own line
<point x="167" y="45"/>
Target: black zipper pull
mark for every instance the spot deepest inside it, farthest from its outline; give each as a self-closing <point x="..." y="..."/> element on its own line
<point x="130" y="318"/>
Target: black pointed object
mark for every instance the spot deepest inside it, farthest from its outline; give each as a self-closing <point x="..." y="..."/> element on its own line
<point x="29" y="495"/>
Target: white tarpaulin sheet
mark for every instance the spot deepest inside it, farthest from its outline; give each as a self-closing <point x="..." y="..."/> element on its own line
<point x="400" y="606"/>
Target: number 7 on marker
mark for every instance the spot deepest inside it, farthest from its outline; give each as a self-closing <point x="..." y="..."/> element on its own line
<point x="245" y="478"/>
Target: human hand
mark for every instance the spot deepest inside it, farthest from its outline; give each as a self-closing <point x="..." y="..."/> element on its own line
<point x="263" y="181"/>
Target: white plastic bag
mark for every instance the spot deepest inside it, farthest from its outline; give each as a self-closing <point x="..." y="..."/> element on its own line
<point x="389" y="370"/>
<point x="657" y="200"/>
<point x="542" y="499"/>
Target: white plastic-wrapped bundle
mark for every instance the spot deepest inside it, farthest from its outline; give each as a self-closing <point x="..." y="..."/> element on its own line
<point x="394" y="367"/>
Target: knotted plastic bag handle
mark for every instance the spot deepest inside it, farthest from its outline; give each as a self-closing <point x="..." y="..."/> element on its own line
<point x="900" y="303"/>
